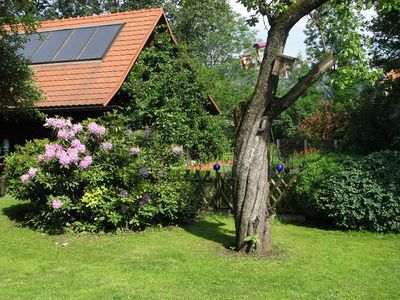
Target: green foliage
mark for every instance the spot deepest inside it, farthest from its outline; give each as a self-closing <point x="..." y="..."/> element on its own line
<point x="93" y="181"/>
<point x="17" y="89"/>
<point x="312" y="182"/>
<point x="57" y="9"/>
<point x="253" y="241"/>
<point x="386" y="39"/>
<point x="354" y="193"/>
<point x="374" y="123"/>
<point x="165" y="94"/>
<point x="287" y="123"/>
<point x="212" y="31"/>
<point x="338" y="27"/>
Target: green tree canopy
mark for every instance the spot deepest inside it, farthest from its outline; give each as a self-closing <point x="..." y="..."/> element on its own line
<point x="17" y="90"/>
<point x="385" y="27"/>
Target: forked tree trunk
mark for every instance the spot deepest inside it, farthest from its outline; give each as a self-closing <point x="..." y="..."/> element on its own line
<point x="251" y="187"/>
<point x="250" y="172"/>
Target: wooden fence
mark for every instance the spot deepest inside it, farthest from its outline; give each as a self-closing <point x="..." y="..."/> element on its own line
<point x="216" y="188"/>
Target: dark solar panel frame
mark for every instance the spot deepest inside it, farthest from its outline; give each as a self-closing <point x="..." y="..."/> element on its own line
<point x="70" y="45"/>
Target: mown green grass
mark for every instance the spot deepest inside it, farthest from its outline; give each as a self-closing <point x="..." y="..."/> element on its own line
<point x="192" y="263"/>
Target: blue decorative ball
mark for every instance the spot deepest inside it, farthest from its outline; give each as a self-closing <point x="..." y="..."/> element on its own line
<point x="216" y="167"/>
<point x="279" y="167"/>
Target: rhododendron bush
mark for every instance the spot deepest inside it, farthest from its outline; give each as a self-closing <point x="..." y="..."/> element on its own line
<point x="94" y="177"/>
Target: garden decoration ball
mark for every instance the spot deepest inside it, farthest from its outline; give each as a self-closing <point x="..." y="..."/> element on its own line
<point x="216" y="167"/>
<point x="279" y="167"/>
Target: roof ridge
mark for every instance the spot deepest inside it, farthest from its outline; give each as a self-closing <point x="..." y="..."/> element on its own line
<point x="160" y="9"/>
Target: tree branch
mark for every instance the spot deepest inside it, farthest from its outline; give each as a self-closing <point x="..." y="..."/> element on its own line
<point x="304" y="83"/>
<point x="298" y="10"/>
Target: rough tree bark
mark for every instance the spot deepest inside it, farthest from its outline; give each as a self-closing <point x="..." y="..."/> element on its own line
<point x="250" y="172"/>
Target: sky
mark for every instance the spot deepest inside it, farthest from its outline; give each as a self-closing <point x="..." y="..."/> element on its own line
<point x="295" y="42"/>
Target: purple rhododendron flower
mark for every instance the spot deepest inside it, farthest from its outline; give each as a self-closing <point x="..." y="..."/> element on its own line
<point x="144" y="171"/>
<point x="176" y="150"/>
<point x="141" y="202"/>
<point x="57" y="204"/>
<point x="25" y="178"/>
<point x="144" y="200"/>
<point x="96" y="129"/>
<point x="77" y="144"/>
<point x="63" y="158"/>
<point x="124" y="193"/>
<point x="41" y="157"/>
<point x="106" y="146"/>
<point x="51" y="151"/>
<point x="134" y="133"/>
<point x="73" y="154"/>
<point x="32" y="172"/>
<point x="66" y="134"/>
<point x="77" y="128"/>
<point x="134" y="150"/>
<point x="86" y="162"/>
<point x="147" y="132"/>
<point x="57" y="123"/>
<point x="29" y="175"/>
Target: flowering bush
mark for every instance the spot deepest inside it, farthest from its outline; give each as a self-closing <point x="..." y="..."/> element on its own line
<point x="100" y="179"/>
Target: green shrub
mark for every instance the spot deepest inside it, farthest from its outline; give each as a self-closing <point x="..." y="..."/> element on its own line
<point x="359" y="193"/>
<point x="94" y="178"/>
<point x="312" y="182"/>
<point x="163" y="91"/>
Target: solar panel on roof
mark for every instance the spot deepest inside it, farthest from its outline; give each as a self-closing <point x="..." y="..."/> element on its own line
<point x="87" y="43"/>
<point x="33" y="42"/>
<point x="100" y="42"/>
<point x="50" y="46"/>
<point x="75" y="44"/>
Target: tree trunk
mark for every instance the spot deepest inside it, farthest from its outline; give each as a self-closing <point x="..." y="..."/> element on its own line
<point x="252" y="216"/>
<point x="250" y="172"/>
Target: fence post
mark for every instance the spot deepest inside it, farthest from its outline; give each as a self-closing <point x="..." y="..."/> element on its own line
<point x="305" y="146"/>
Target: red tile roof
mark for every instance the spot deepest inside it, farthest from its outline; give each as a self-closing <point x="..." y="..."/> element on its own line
<point x="96" y="82"/>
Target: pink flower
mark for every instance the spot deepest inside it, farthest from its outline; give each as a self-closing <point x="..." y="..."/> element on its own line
<point x="29" y="175"/>
<point x="41" y="157"/>
<point x="78" y="145"/>
<point x="134" y="150"/>
<point x="57" y="204"/>
<point x="177" y="150"/>
<point x="106" y="146"/>
<point x="25" y="178"/>
<point x="32" y="172"/>
<point x="73" y="154"/>
<point x="96" y="129"/>
<point x="77" y="128"/>
<point x="63" y="158"/>
<point x="86" y="162"/>
<point x="65" y="134"/>
<point x="51" y="151"/>
<point x="57" y="123"/>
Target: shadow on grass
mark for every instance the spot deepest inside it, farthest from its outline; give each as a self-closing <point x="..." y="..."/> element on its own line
<point x="18" y="212"/>
<point x="213" y="231"/>
<point x="305" y="222"/>
<point x="23" y="214"/>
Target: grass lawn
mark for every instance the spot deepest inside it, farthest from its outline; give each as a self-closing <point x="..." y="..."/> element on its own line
<point x="192" y="263"/>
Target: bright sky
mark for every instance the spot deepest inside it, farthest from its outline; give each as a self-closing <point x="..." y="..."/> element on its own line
<point x="295" y="42"/>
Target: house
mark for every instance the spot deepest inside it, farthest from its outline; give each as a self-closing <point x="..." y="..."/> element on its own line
<point x="80" y="64"/>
